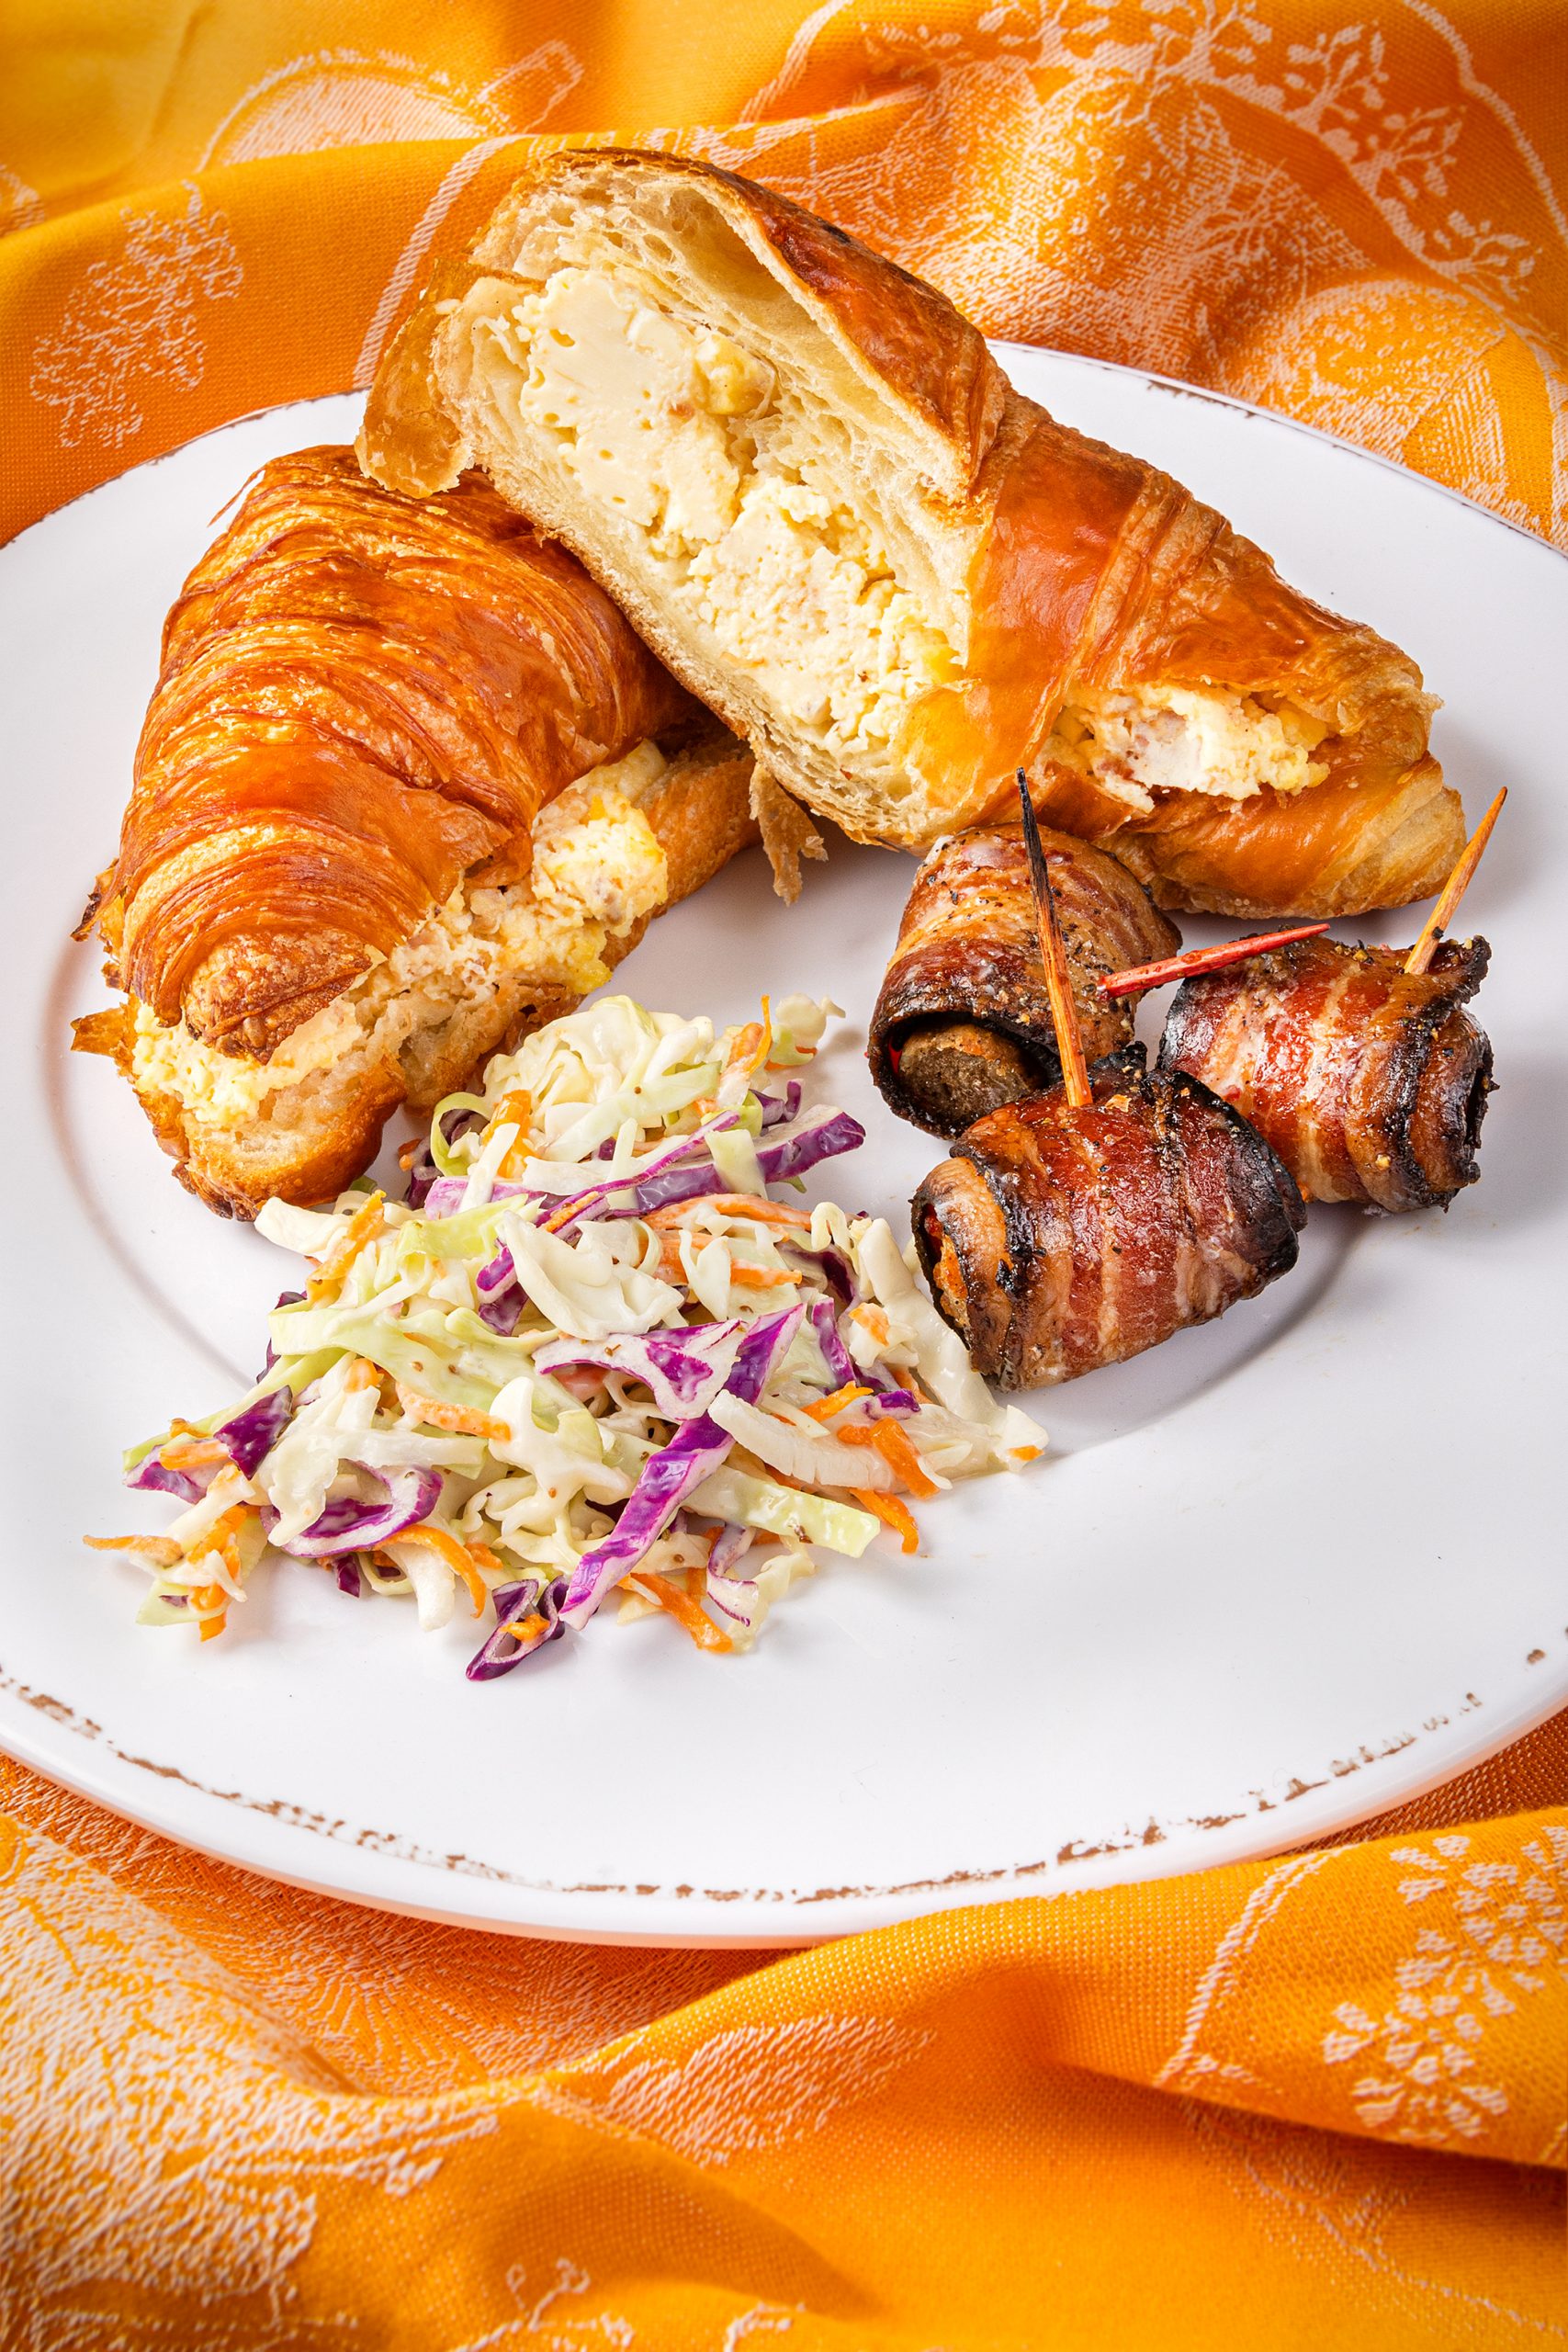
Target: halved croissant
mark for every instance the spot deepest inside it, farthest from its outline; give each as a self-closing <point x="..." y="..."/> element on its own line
<point x="805" y="479"/>
<point x="398" y="796"/>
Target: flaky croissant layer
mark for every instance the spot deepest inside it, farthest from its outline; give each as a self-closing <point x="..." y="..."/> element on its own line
<point x="804" y="475"/>
<point x="361" y="699"/>
<point x="397" y="796"/>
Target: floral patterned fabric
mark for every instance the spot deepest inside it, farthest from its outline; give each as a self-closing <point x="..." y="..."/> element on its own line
<point x="1315" y="2101"/>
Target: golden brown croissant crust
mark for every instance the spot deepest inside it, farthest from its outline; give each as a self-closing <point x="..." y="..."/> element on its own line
<point x="316" y="1137"/>
<point x="1057" y="573"/>
<point x="966" y="969"/>
<point x="360" y="700"/>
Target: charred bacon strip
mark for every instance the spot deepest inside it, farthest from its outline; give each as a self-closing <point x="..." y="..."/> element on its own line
<point x="1368" y="1080"/>
<point x="1057" y="1239"/>
<point x="964" y="1021"/>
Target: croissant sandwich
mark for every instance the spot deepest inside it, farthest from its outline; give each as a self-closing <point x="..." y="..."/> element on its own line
<point x="409" y="785"/>
<point x="810" y="486"/>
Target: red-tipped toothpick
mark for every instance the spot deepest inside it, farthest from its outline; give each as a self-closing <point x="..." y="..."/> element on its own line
<point x="1139" y="977"/>
<point x="1054" y="956"/>
<point x="1454" y="889"/>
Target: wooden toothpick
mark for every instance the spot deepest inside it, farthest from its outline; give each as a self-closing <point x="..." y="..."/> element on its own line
<point x="1454" y="889"/>
<point x="1054" y="956"/>
<point x="1139" y="977"/>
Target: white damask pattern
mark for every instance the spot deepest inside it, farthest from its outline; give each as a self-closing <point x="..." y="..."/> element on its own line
<point x="1496" y="1935"/>
<point x="744" y="2088"/>
<point x="135" y="320"/>
<point x="200" y="2130"/>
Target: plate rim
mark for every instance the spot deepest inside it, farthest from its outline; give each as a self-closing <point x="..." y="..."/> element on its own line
<point x="272" y="1839"/>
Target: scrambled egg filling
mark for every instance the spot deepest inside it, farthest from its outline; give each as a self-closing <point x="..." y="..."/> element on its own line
<point x="689" y="437"/>
<point x="1145" y="739"/>
<point x="597" y="868"/>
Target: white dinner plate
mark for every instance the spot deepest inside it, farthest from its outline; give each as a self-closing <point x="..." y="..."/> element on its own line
<point x="1279" y="1574"/>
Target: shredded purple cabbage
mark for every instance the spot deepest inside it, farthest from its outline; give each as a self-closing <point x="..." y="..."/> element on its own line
<point x="898" y="1400"/>
<point x="498" y="1272"/>
<point x="504" y="1312"/>
<point x="349" y="1579"/>
<point x="685" y="1367"/>
<point x="423" y="1173"/>
<point x="726" y="1547"/>
<point x="152" y="1477"/>
<point x="251" y="1435"/>
<point x="836" y="1270"/>
<point x="285" y="1298"/>
<point x="445" y="1197"/>
<point x="777" y="1108"/>
<point x="531" y="1598"/>
<point x="676" y="1176"/>
<point x="347" y="1525"/>
<point x="670" y="1475"/>
<point x="501" y="1295"/>
<point x="843" y="1369"/>
<point x="822" y="1138"/>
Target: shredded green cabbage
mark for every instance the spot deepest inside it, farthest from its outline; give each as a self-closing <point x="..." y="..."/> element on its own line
<point x="477" y="1381"/>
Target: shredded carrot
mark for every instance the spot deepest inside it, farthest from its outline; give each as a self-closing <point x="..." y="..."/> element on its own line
<point x="161" y="1549"/>
<point x="524" y="1629"/>
<point x="212" y="1599"/>
<point x="741" y="1205"/>
<point x="892" y="1513"/>
<point x="222" y="1537"/>
<point x="896" y="1449"/>
<point x="671" y="1265"/>
<point x="743" y="1052"/>
<point x="362" y="1374"/>
<point x="482" y="1556"/>
<point x="1026" y="1452"/>
<point x="685" y="1610"/>
<point x="409" y="1152"/>
<point x="447" y="1548"/>
<point x="762" y="1277"/>
<point x="826" y="1407"/>
<point x="192" y="1454"/>
<point x="765" y="1042"/>
<point x="513" y="1110"/>
<point x="894" y="1445"/>
<point x="875" y="1323"/>
<point x="355" y="1233"/>
<point x="457" y="1418"/>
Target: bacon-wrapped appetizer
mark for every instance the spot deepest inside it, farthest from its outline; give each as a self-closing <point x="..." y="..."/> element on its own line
<point x="963" y="1022"/>
<point x="1368" y="1080"/>
<point x="1061" y="1236"/>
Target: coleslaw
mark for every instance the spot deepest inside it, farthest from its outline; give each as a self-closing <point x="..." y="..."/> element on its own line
<point x="591" y="1354"/>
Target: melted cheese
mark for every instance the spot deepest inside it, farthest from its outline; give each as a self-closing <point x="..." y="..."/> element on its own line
<point x="1145" y="739"/>
<point x="597" y="869"/>
<point x="681" y="431"/>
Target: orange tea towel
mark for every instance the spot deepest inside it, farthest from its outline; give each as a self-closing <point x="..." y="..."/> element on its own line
<point x="1315" y="2102"/>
